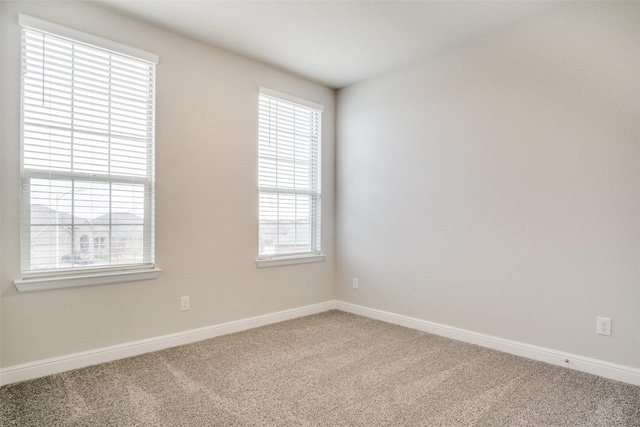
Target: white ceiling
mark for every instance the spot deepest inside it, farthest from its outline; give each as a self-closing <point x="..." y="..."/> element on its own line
<point x="336" y="43"/>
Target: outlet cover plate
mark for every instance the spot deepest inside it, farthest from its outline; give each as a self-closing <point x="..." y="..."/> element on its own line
<point x="603" y="326"/>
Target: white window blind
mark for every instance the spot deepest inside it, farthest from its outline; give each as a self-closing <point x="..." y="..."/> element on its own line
<point x="87" y="152"/>
<point x="288" y="175"/>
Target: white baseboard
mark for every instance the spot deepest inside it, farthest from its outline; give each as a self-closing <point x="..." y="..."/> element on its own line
<point x="584" y="364"/>
<point x="55" y="365"/>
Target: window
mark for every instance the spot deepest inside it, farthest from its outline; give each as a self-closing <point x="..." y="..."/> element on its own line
<point x="87" y="156"/>
<point x="288" y="179"/>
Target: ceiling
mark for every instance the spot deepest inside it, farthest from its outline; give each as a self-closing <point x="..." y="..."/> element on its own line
<point x="336" y="43"/>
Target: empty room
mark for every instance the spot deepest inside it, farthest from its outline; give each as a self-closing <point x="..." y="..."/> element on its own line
<point x="319" y="213"/>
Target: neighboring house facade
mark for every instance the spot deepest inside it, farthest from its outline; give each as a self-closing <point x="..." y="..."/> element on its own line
<point x="285" y="237"/>
<point x="60" y="240"/>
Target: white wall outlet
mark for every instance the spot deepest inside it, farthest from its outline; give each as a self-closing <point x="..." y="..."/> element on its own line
<point x="603" y="325"/>
<point x="354" y="283"/>
<point x="184" y="303"/>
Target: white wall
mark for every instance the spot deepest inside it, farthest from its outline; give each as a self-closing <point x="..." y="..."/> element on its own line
<point x="1" y="144"/>
<point x="206" y="200"/>
<point x="496" y="188"/>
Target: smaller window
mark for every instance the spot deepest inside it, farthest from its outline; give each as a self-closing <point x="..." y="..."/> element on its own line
<point x="289" y="184"/>
<point x="98" y="243"/>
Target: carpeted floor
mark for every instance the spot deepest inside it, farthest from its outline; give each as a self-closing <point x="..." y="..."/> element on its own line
<point x="330" y="369"/>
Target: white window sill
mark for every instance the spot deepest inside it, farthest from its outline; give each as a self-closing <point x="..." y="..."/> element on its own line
<point x="289" y="260"/>
<point x="85" y="279"/>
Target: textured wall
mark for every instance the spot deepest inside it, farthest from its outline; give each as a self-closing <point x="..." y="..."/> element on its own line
<point x="496" y="188"/>
<point x="206" y="200"/>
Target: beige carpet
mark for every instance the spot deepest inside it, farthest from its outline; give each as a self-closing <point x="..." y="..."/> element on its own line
<point x="331" y="369"/>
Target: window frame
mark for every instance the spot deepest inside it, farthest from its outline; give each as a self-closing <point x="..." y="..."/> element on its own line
<point x="52" y="278"/>
<point x="315" y="254"/>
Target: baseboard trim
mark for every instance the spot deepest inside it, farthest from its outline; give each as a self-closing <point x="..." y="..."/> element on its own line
<point x="13" y="374"/>
<point x="17" y="373"/>
<point x="584" y="364"/>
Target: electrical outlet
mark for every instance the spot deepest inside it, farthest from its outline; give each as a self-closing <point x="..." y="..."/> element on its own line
<point x="603" y="325"/>
<point x="184" y="303"/>
<point x="354" y="283"/>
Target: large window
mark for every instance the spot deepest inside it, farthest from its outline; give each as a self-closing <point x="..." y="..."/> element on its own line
<point x="87" y="153"/>
<point x="288" y="177"/>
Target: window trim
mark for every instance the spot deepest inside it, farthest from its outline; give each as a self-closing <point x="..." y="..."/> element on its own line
<point x="275" y="260"/>
<point x="82" y="37"/>
<point x="85" y="278"/>
<point x="64" y="278"/>
<point x="286" y="97"/>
